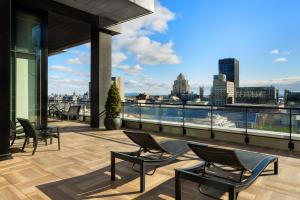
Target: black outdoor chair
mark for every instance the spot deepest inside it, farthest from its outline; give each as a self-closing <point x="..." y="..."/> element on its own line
<point x="37" y="134"/>
<point x="150" y="155"/>
<point x="225" y="170"/>
<point x="15" y="131"/>
<point x="71" y="114"/>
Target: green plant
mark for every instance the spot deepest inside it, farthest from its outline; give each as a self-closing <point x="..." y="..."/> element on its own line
<point x="113" y="102"/>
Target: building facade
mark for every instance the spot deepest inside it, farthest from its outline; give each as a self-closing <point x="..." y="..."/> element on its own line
<point x="223" y="90"/>
<point x="231" y="68"/>
<point x="201" y="93"/>
<point x="181" y="87"/>
<point x="257" y="95"/>
<point x="291" y="98"/>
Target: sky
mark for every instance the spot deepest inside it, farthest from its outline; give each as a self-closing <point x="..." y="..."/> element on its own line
<point x="189" y="37"/>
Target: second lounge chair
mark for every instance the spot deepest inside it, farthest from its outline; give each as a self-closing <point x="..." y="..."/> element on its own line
<point x="224" y="169"/>
<point x="151" y="154"/>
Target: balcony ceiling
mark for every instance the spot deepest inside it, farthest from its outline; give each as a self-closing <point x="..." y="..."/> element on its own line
<point x="70" y="20"/>
<point x="112" y="12"/>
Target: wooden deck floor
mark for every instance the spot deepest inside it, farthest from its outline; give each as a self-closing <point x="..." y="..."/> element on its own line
<point x="81" y="170"/>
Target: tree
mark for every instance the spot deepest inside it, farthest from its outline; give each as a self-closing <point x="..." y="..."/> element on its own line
<point x="113" y="102"/>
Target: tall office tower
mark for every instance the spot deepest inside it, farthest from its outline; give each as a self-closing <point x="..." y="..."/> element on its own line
<point x="120" y="84"/>
<point x="231" y="68"/>
<point x="201" y="93"/>
<point x="223" y="90"/>
<point x="181" y="86"/>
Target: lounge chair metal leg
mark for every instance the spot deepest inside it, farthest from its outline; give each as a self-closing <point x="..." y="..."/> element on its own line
<point x="35" y="144"/>
<point x="13" y="140"/>
<point x="113" y="167"/>
<point x="142" y="177"/>
<point x="276" y="167"/>
<point x="177" y="185"/>
<point x="232" y="194"/>
<point x="25" y="142"/>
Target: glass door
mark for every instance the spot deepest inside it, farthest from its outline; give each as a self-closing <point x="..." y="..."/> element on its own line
<point x="26" y="64"/>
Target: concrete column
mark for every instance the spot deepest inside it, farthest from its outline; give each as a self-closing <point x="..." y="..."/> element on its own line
<point x="5" y="40"/>
<point x="101" y="50"/>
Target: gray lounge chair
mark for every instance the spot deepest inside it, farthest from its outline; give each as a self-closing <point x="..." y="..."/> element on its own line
<point x="150" y="155"/>
<point x="72" y="113"/>
<point x="226" y="170"/>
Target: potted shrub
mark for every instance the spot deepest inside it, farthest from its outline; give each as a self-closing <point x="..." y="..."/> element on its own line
<point x="113" y="108"/>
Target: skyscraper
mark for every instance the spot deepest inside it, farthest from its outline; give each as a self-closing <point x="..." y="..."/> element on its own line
<point x="230" y="67"/>
<point x="181" y="86"/>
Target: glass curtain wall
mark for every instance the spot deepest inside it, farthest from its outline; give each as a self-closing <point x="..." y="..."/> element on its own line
<point x="26" y="67"/>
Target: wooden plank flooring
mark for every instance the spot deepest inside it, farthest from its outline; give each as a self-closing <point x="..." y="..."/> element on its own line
<point x="81" y="170"/>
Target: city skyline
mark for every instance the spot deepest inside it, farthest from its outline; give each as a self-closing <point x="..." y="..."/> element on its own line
<point x="267" y="51"/>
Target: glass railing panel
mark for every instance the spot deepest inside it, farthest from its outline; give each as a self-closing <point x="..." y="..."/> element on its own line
<point x="229" y="118"/>
<point x="296" y="121"/>
<point x="131" y="111"/>
<point x="150" y="113"/>
<point x="172" y="114"/>
<point x="269" y="121"/>
<point x="197" y="116"/>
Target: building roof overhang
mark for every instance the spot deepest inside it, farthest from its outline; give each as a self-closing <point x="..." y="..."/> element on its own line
<point x="70" y="21"/>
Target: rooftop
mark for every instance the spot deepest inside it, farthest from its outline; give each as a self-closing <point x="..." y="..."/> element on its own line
<point x="81" y="170"/>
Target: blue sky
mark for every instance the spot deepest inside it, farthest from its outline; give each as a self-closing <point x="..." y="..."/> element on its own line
<point x="189" y="37"/>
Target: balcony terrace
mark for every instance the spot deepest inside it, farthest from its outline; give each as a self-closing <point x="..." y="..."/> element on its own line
<point x="81" y="170"/>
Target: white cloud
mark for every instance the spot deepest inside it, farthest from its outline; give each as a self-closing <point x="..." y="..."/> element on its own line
<point x="72" y="61"/>
<point x="60" y="68"/>
<point x="280" y="60"/>
<point x="150" y="87"/>
<point x="59" y="85"/>
<point x="274" y="51"/>
<point x="137" y="69"/>
<point x="118" y="58"/>
<point x="278" y="81"/>
<point x="135" y="38"/>
<point x="68" y="70"/>
<point x="81" y="58"/>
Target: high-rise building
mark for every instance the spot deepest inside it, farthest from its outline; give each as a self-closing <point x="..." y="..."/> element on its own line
<point x="257" y="95"/>
<point x="231" y="68"/>
<point x="120" y="84"/>
<point x="201" y="92"/>
<point x="223" y="90"/>
<point x="181" y="87"/>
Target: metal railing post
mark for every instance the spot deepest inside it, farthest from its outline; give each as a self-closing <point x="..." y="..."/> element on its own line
<point x="183" y="119"/>
<point x="123" y="110"/>
<point x="140" y="116"/>
<point x="247" y="140"/>
<point x="212" y="134"/>
<point x="291" y="145"/>
<point x="84" y="113"/>
<point x="159" y="115"/>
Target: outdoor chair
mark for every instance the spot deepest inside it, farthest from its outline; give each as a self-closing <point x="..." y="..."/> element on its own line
<point x="72" y="113"/>
<point x="37" y="134"/>
<point x="54" y="110"/>
<point x="225" y="170"/>
<point x="14" y="131"/>
<point x="150" y="155"/>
